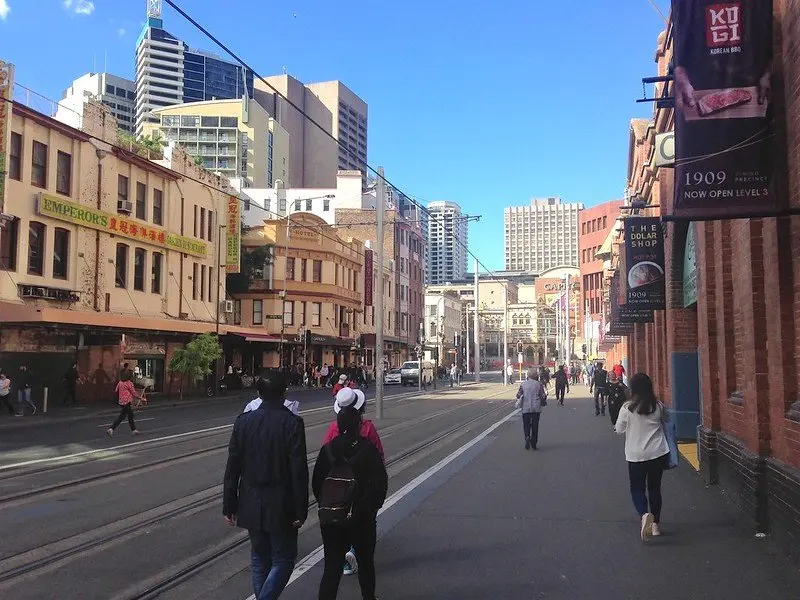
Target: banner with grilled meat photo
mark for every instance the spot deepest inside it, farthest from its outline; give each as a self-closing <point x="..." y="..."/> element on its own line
<point x="725" y="142"/>
<point x="644" y="263"/>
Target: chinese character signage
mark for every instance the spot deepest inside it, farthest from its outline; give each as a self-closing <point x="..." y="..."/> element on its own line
<point x="119" y="225"/>
<point x="6" y="88"/>
<point x="233" y="236"/>
<point x="368" y="261"/>
<point x="644" y="263"/>
<point x="724" y="117"/>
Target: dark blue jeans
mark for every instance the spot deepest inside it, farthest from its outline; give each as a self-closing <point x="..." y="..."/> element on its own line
<point x="646" y="476"/>
<point x="272" y="561"/>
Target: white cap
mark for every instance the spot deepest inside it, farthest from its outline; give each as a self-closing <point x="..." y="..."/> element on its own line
<point x="348" y="397"/>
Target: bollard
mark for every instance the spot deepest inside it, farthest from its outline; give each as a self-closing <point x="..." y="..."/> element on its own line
<point x="44" y="402"/>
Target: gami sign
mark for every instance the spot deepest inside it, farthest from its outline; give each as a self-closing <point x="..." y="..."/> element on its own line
<point x="119" y="225"/>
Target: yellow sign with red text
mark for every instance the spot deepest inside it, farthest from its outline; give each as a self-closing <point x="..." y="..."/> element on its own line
<point x="120" y="225"/>
<point x="233" y="236"/>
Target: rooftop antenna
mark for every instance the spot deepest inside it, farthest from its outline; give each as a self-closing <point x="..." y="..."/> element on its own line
<point x="153" y="9"/>
<point x="284" y="69"/>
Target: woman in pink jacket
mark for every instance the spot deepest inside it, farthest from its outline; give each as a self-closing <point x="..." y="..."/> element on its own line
<point x="355" y="398"/>
<point x="125" y="393"/>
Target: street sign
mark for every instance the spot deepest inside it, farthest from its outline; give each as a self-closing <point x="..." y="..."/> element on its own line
<point x="519" y="358"/>
<point x="274" y="317"/>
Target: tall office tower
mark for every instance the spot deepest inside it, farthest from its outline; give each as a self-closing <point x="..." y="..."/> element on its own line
<point x="115" y="92"/>
<point x="542" y="235"/>
<point x="447" y="243"/>
<point x="169" y="72"/>
<point x="315" y="157"/>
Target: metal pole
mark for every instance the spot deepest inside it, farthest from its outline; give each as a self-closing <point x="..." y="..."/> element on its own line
<point x="468" y="339"/>
<point x="421" y="352"/>
<point x="379" y="209"/>
<point x="283" y="294"/>
<point x="217" y="374"/>
<point x="566" y="324"/>
<point x="477" y="329"/>
<point x="506" y="379"/>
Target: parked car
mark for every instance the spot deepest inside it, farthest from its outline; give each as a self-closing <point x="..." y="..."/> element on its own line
<point x="410" y="372"/>
<point x="392" y="376"/>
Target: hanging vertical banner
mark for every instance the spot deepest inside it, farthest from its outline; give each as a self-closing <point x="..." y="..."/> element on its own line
<point x="725" y="125"/>
<point x="617" y="326"/>
<point x="368" y="272"/>
<point x="6" y="91"/>
<point x="233" y="236"/>
<point x="644" y="263"/>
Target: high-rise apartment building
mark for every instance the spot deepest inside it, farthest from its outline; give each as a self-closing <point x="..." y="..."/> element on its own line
<point x="116" y="93"/>
<point x="235" y="138"/>
<point x="542" y="235"/>
<point x="315" y="157"/>
<point x="169" y="72"/>
<point x="447" y="243"/>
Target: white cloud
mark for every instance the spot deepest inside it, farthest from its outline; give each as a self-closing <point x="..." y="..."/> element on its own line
<point x="121" y="32"/>
<point x="79" y="7"/>
<point x="4" y="10"/>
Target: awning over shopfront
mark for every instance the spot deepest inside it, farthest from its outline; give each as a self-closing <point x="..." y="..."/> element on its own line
<point x="259" y="337"/>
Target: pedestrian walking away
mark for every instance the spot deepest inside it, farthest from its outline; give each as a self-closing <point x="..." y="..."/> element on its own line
<point x="531" y="397"/>
<point x="5" y="392"/>
<point x="125" y="395"/>
<point x="562" y="384"/>
<point x="454" y="375"/>
<point x="599" y="385"/>
<point x="509" y="372"/>
<point x="354" y="398"/>
<point x="24" y="383"/>
<point x="265" y="488"/>
<point x="350" y="485"/>
<point x="642" y="421"/>
<point x="617" y="396"/>
<point x="70" y="385"/>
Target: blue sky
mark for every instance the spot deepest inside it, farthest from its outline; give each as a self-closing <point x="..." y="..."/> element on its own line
<point x="487" y="103"/>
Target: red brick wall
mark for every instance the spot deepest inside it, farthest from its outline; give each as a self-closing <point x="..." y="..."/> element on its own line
<point x="588" y="240"/>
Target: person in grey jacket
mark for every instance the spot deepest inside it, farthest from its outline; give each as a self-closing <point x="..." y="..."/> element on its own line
<point x="531" y="397"/>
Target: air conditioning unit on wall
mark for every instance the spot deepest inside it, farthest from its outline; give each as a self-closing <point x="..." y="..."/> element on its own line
<point x="125" y="206"/>
<point x="227" y="306"/>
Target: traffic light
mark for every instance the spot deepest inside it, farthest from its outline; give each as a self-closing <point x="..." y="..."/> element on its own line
<point x="519" y="347"/>
<point x="583" y="348"/>
<point x="555" y="354"/>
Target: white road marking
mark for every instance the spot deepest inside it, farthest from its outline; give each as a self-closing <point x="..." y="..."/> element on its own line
<point x="137" y="420"/>
<point x="315" y="557"/>
<point x="109" y="451"/>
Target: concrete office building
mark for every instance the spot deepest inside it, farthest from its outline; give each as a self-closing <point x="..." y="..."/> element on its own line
<point x="235" y="138"/>
<point x="315" y="157"/>
<point x="447" y="243"/>
<point x="542" y="235"/>
<point x="169" y="72"/>
<point x="116" y="93"/>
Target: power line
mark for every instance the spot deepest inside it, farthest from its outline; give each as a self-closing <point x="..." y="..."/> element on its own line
<point x="339" y="143"/>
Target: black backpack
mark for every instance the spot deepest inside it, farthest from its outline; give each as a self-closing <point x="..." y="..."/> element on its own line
<point x="339" y="491"/>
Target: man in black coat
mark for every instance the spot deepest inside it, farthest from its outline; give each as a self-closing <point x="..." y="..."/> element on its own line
<point x="266" y="485"/>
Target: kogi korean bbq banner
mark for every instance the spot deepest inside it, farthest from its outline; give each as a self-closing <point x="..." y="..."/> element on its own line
<point x="724" y="119"/>
<point x="644" y="262"/>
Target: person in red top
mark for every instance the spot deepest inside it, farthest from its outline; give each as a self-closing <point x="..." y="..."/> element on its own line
<point x="342" y="383"/>
<point x="125" y="393"/>
<point x="618" y="370"/>
<point x="355" y="398"/>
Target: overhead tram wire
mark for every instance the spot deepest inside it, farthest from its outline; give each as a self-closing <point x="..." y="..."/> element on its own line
<point x="339" y="143"/>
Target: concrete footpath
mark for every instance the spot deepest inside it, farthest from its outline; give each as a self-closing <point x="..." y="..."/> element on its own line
<point x="558" y="523"/>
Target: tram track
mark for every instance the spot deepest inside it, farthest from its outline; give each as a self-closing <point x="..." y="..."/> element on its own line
<point x="29" y="494"/>
<point x="56" y="553"/>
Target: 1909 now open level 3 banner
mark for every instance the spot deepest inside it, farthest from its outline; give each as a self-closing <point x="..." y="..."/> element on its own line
<point x="725" y="127"/>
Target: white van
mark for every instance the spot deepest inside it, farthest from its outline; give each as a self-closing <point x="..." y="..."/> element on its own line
<point x="409" y="372"/>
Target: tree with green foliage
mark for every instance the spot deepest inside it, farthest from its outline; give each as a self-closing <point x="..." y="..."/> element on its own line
<point x="198" y="160"/>
<point x="196" y="359"/>
<point x="254" y="262"/>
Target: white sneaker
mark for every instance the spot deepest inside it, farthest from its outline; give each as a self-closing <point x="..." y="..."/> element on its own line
<point x="352" y="563"/>
<point x="647" y="526"/>
<point x="110" y="432"/>
<point x="655" y="531"/>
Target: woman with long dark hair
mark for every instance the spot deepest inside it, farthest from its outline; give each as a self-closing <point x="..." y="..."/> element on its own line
<point x="646" y="450"/>
<point x="350" y="485"/>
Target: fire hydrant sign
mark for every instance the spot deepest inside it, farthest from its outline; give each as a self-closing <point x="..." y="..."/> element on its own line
<point x="644" y="259"/>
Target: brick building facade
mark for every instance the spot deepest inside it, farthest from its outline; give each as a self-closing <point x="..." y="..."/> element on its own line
<point x="729" y="357"/>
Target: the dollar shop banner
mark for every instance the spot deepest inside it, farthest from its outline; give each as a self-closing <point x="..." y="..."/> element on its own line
<point x="644" y="260"/>
<point x="725" y="128"/>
